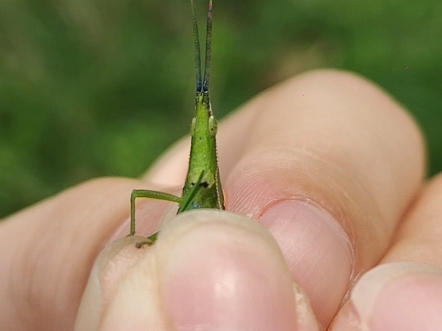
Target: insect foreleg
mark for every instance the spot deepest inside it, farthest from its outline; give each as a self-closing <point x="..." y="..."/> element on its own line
<point x="151" y="195"/>
<point x="186" y="200"/>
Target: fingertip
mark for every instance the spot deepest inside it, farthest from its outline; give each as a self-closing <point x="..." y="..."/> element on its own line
<point x="122" y="290"/>
<point x="394" y="296"/>
<point x="224" y="270"/>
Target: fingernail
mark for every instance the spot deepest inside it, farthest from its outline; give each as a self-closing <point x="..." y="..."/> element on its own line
<point x="310" y="237"/>
<point x="221" y="271"/>
<point x="395" y="296"/>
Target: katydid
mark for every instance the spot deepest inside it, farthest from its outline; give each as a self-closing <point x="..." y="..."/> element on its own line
<point x="202" y="188"/>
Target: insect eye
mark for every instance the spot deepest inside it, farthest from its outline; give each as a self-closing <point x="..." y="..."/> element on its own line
<point x="213" y="125"/>
<point x="192" y="126"/>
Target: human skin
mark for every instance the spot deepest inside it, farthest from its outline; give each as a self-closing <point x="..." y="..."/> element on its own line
<point x="342" y="229"/>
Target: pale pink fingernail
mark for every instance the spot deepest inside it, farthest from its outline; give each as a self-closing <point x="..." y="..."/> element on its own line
<point x="317" y="251"/>
<point x="223" y="272"/>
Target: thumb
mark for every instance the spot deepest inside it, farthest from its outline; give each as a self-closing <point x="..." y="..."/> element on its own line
<point x="209" y="270"/>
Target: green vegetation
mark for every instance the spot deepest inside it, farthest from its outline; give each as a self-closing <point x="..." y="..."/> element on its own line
<point x="91" y="88"/>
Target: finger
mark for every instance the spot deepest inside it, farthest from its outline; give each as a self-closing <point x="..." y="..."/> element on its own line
<point x="47" y="251"/>
<point x="208" y="270"/>
<point x="340" y="152"/>
<point x="405" y="291"/>
<point x="329" y="174"/>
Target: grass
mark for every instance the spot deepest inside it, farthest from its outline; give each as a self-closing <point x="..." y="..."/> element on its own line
<point x="91" y="88"/>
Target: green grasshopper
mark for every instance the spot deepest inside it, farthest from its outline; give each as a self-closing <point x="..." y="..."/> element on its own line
<point x="202" y="188"/>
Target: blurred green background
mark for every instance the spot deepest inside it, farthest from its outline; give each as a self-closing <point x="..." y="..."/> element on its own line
<point x="91" y="88"/>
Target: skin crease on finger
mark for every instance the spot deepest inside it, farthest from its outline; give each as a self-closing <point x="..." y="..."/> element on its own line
<point x="345" y="145"/>
<point x="334" y="140"/>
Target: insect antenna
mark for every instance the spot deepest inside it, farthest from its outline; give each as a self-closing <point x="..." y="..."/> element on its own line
<point x="196" y="40"/>
<point x="208" y="49"/>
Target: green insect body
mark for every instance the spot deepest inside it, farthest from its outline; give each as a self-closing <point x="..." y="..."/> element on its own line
<point x="202" y="188"/>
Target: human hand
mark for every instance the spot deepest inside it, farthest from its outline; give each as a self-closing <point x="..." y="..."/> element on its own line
<point x="326" y="162"/>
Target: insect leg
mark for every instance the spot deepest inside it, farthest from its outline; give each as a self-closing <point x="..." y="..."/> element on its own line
<point x="151" y="195"/>
<point x="186" y="200"/>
